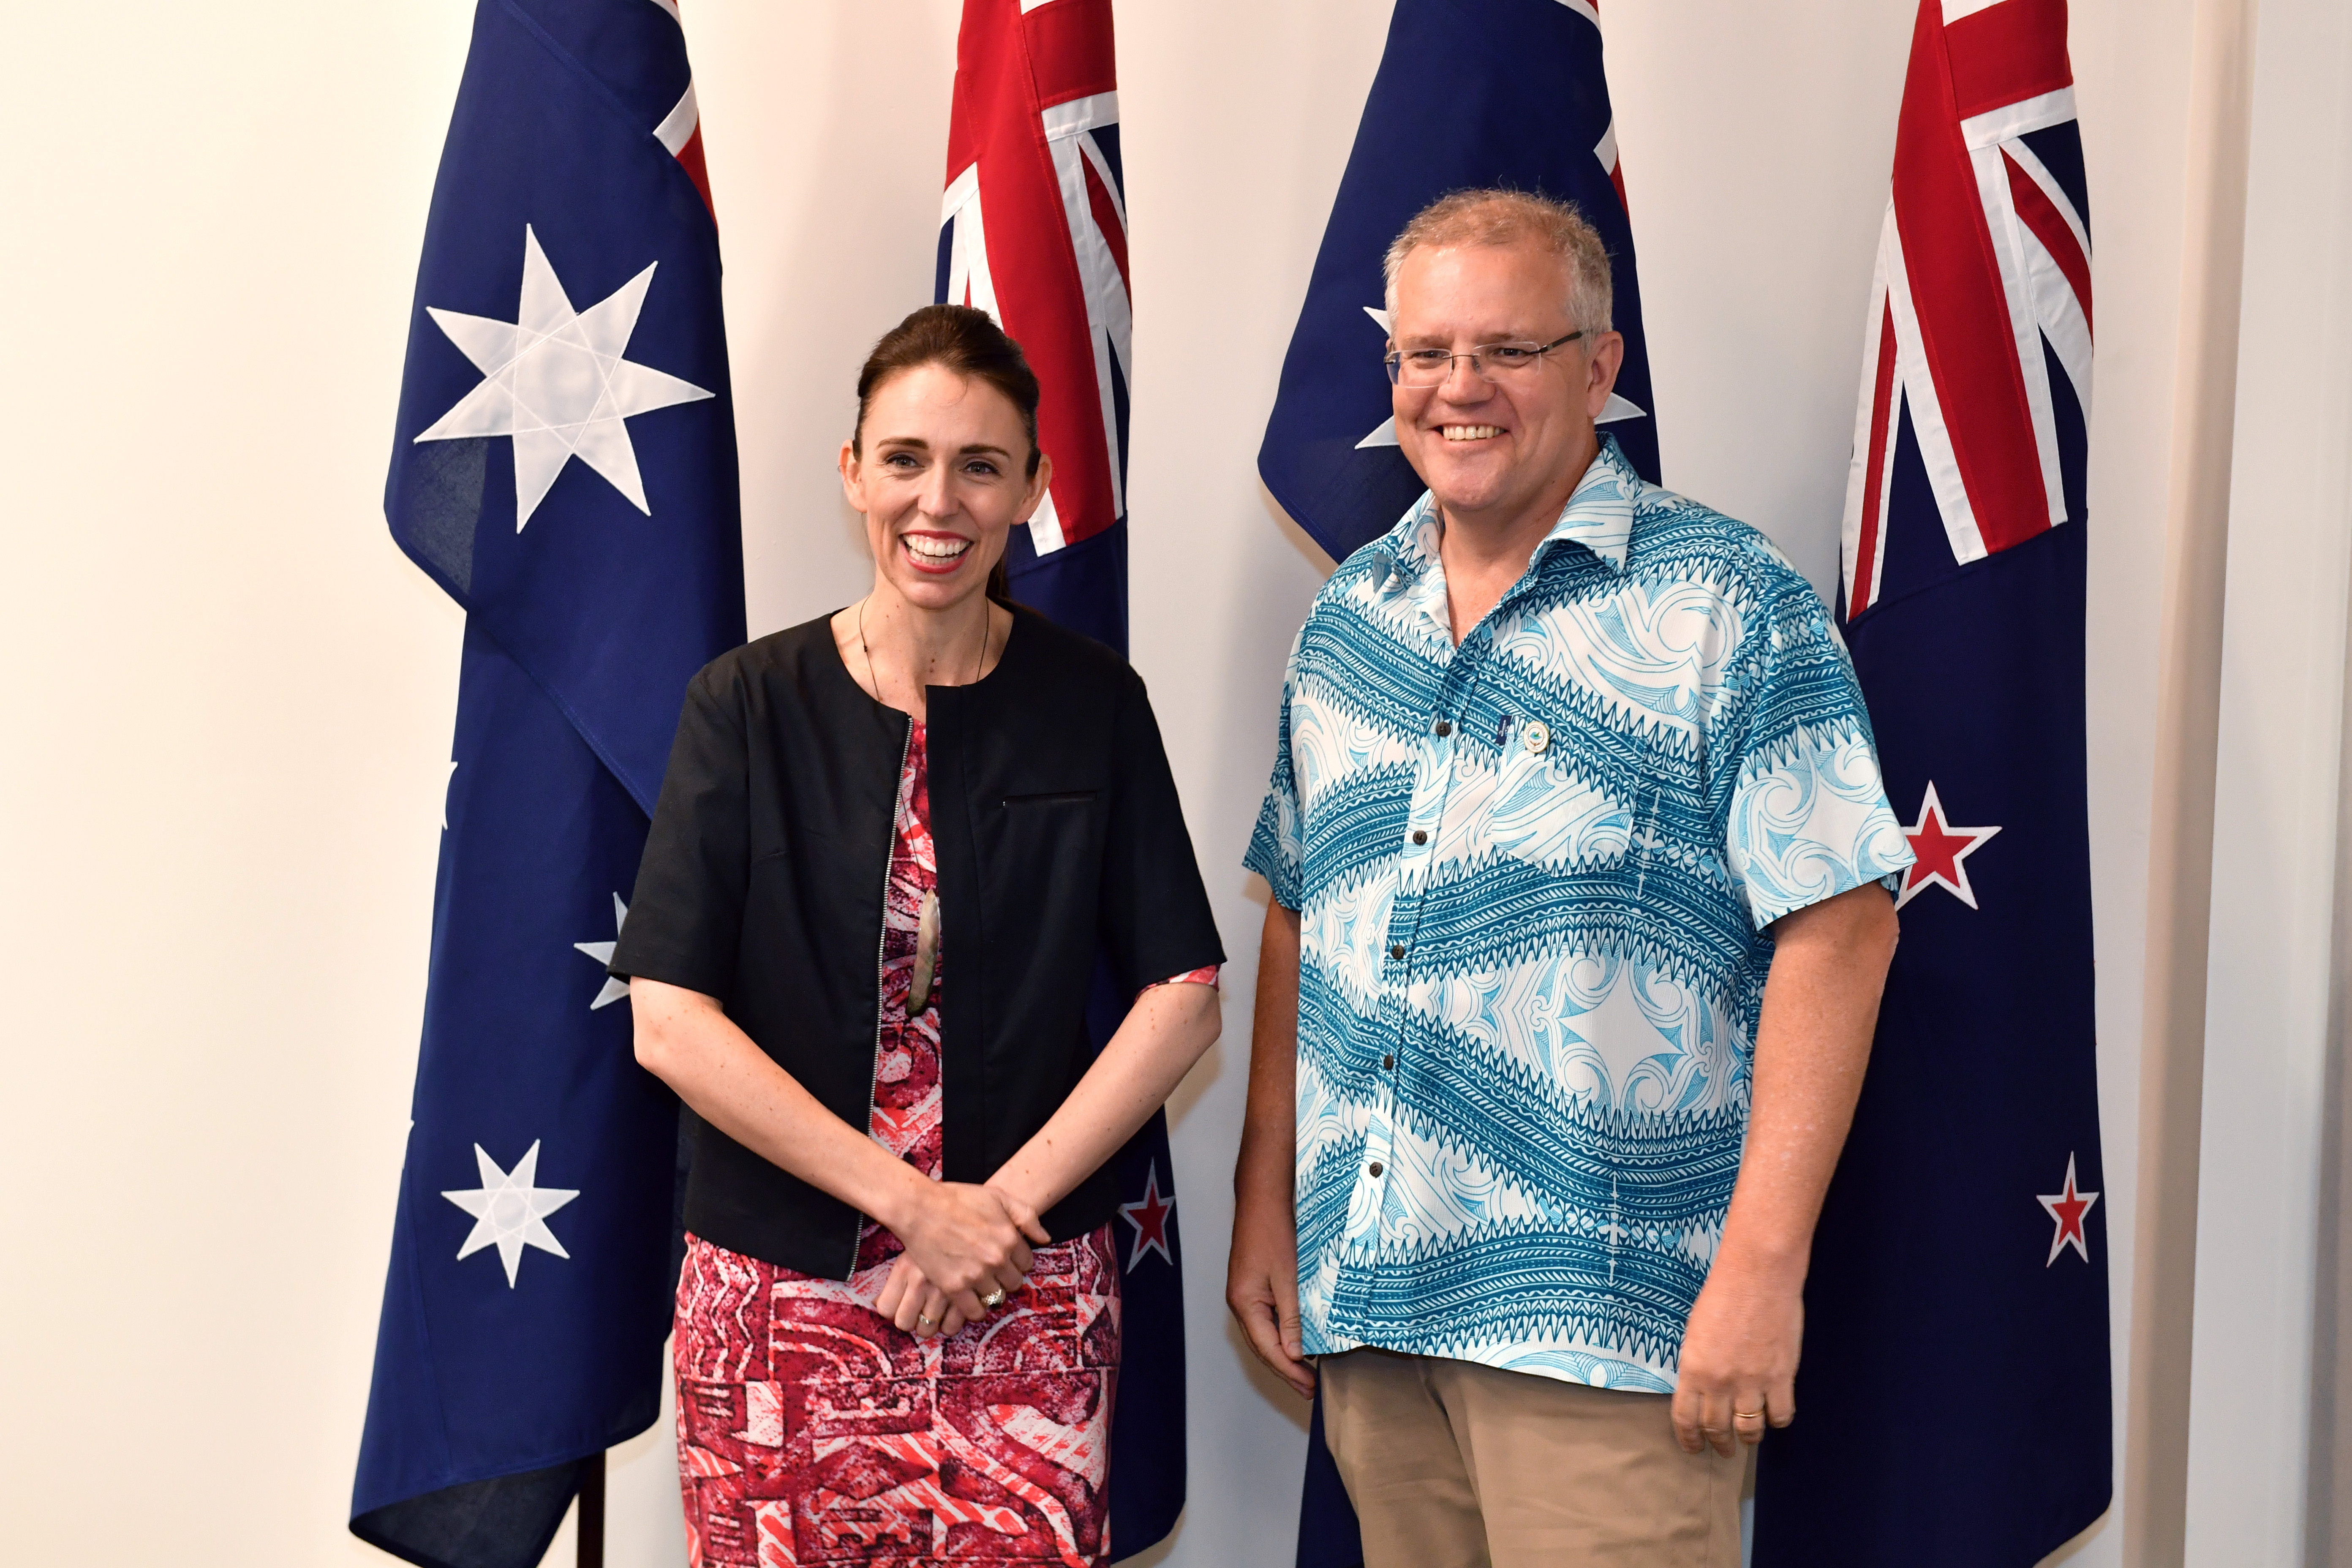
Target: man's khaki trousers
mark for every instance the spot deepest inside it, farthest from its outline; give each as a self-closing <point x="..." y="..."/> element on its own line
<point x="1452" y="1465"/>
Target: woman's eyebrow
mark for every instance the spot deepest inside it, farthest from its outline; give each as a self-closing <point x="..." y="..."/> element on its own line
<point x="917" y="444"/>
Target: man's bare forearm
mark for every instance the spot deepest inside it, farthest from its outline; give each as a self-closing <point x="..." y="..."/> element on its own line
<point x="1269" y="1124"/>
<point x="1820" y="1007"/>
<point x="1262" y="1272"/>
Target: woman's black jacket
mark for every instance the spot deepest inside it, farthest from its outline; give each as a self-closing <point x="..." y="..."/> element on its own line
<point x="1059" y="838"/>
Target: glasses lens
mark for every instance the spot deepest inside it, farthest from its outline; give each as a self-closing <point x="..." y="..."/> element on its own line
<point x="1421" y="367"/>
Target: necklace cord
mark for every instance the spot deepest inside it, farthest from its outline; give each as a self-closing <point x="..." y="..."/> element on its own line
<point x="875" y="675"/>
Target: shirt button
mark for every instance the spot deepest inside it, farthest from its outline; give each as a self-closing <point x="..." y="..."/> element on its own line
<point x="1396" y="950"/>
<point x="1375" y="1167"/>
<point x="1387" y="1062"/>
<point x="1419" y="837"/>
<point x="1443" y="728"/>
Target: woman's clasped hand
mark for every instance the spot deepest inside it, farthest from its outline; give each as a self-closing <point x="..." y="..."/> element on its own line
<point x="964" y="1243"/>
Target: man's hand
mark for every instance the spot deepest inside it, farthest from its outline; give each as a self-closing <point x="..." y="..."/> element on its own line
<point x="1262" y="1285"/>
<point x="1262" y="1274"/>
<point x="1739" y="1359"/>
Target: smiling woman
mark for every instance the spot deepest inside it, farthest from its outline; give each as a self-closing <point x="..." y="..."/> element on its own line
<point x="870" y="1206"/>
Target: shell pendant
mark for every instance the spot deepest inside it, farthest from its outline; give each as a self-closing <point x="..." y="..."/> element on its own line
<point x="926" y="956"/>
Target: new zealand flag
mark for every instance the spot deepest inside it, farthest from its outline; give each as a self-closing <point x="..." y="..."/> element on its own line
<point x="1033" y="229"/>
<point x="1470" y="93"/>
<point x="1964" y="1228"/>
<point x="564" y="467"/>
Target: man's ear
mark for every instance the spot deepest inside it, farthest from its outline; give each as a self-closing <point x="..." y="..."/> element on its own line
<point x="1608" y="359"/>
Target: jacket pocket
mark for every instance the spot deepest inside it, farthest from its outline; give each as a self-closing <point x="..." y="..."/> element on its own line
<point x="1055" y="797"/>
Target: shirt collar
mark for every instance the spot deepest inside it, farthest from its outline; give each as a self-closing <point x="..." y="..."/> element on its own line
<point x="1598" y="516"/>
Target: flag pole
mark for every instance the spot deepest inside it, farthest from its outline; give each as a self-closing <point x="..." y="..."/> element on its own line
<point x="591" y="1513"/>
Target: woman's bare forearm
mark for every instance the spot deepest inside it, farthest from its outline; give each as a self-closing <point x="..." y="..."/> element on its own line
<point x="685" y="1040"/>
<point x="1165" y="1033"/>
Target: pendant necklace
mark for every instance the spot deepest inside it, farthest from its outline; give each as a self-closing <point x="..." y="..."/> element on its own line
<point x="927" y="924"/>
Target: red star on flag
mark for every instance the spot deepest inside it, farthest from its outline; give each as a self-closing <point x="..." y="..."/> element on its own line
<point x="1943" y="851"/>
<point x="1148" y="1216"/>
<point x="2068" y="1209"/>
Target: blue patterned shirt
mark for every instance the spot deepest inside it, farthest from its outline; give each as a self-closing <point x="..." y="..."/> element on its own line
<point x="1533" y="874"/>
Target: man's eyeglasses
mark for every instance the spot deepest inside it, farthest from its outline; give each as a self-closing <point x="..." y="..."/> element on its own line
<point x="1495" y="362"/>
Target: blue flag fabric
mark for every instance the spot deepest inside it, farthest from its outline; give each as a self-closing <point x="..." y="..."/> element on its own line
<point x="1508" y="93"/>
<point x="1964" y="1228"/>
<point x="564" y="467"/>
<point x="1499" y="94"/>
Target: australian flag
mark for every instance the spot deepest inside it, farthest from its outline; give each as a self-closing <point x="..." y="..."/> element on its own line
<point x="1033" y="229"/>
<point x="1470" y="93"/>
<point x="1964" y="1228"/>
<point x="564" y="467"/>
<point x="1503" y="93"/>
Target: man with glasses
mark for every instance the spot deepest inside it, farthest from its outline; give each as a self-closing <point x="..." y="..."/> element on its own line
<point x="1580" y="870"/>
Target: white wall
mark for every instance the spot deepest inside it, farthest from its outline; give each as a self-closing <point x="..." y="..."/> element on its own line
<point x="2274" y="851"/>
<point x="229" y="723"/>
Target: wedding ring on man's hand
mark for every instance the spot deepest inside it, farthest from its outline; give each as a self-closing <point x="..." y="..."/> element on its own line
<point x="994" y="1300"/>
<point x="1748" y="1415"/>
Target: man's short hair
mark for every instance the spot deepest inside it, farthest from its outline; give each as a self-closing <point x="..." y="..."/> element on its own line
<point x="1499" y="217"/>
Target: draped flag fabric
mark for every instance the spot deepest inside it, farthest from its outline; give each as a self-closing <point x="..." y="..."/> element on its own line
<point x="1504" y="92"/>
<point x="564" y="467"/>
<point x="1964" y="1231"/>
<point x="1033" y="229"/>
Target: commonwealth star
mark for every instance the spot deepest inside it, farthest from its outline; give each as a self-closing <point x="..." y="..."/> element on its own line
<point x="553" y="379"/>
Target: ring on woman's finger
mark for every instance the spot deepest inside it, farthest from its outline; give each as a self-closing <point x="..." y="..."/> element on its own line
<point x="994" y="1300"/>
<point x="924" y="1318"/>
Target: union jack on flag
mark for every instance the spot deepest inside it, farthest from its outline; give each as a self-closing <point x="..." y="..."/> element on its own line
<point x="1965" y="1226"/>
<point x="1033" y="229"/>
<point x="1984" y="257"/>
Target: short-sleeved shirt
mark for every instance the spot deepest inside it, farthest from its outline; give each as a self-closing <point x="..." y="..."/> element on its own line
<point x="1533" y="874"/>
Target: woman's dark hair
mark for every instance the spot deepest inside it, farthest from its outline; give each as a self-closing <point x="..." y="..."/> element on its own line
<point x="967" y="343"/>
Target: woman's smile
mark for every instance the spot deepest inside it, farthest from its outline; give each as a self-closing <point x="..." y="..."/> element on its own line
<point x="935" y="553"/>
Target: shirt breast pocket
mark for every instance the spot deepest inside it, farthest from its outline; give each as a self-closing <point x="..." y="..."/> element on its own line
<point x="1544" y="814"/>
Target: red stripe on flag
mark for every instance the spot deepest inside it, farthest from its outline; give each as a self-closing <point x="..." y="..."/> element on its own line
<point x="1617" y="178"/>
<point x="1106" y="219"/>
<point x="1033" y="264"/>
<point x="1881" y="424"/>
<point x="1070" y="48"/>
<point x="2006" y="52"/>
<point x="1961" y="303"/>
<point x="690" y="158"/>
<point x="2040" y="214"/>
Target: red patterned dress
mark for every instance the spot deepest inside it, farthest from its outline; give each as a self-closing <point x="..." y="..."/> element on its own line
<point x="811" y="1431"/>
